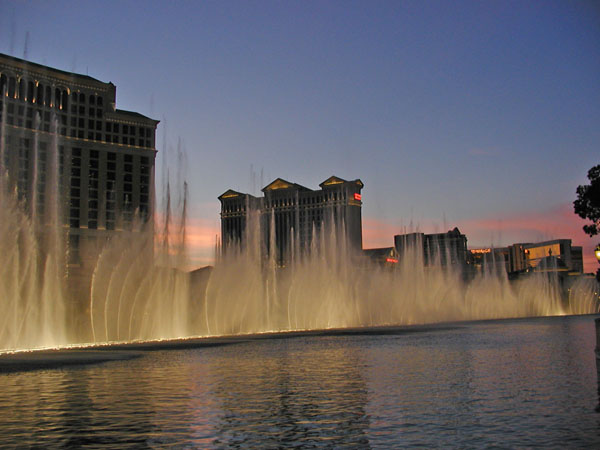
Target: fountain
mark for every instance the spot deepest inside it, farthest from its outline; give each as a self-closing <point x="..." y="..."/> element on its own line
<point x="33" y="301"/>
<point x="139" y="292"/>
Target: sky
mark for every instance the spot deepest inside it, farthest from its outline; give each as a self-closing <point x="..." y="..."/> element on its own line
<point x="481" y="115"/>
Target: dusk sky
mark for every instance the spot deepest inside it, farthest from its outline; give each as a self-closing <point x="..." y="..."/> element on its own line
<point x="479" y="114"/>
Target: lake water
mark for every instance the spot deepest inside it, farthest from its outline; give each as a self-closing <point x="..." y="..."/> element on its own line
<point x="511" y="383"/>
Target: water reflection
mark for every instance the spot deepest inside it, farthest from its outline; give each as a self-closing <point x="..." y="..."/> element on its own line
<point x="293" y="393"/>
<point x="509" y="384"/>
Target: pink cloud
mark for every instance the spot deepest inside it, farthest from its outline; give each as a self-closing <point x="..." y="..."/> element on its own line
<point x="499" y="229"/>
<point x="377" y="233"/>
<point x="200" y="236"/>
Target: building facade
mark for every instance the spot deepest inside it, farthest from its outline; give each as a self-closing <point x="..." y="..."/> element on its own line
<point x="105" y="156"/>
<point x="489" y="258"/>
<point x="290" y="216"/>
<point x="528" y="256"/>
<point x="438" y="249"/>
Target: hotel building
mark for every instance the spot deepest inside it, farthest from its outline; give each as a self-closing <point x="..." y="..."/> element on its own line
<point x="105" y="155"/>
<point x="297" y="213"/>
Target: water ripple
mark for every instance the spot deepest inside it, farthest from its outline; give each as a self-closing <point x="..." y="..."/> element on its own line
<point x="523" y="383"/>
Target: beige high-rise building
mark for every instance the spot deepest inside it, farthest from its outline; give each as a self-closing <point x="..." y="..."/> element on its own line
<point x="105" y="155"/>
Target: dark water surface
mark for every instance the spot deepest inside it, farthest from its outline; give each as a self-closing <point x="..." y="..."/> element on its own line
<point x="518" y="383"/>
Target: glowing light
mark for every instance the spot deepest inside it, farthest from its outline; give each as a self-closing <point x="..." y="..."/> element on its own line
<point x="481" y="250"/>
<point x="357" y="197"/>
<point x="391" y="260"/>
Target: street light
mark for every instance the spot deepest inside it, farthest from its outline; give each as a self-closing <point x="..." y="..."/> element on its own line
<point x="597" y="253"/>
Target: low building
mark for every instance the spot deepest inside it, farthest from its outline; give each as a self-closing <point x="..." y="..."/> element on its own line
<point x="489" y="258"/>
<point x="386" y="256"/>
<point x="439" y="249"/>
<point x="524" y="257"/>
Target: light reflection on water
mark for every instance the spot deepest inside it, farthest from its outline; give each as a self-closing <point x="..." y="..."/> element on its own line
<point x="507" y="383"/>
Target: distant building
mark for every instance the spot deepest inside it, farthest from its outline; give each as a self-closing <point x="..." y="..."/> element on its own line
<point x="526" y="257"/>
<point x="489" y="257"/>
<point x="387" y="256"/>
<point x="105" y="155"/>
<point x="517" y="258"/>
<point x="440" y="249"/>
<point x="290" y="216"/>
<point x="571" y="256"/>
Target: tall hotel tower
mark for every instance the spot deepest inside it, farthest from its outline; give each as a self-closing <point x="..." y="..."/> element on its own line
<point x="291" y="215"/>
<point x="105" y="155"/>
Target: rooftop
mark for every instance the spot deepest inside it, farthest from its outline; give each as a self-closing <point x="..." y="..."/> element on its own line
<point x="28" y="65"/>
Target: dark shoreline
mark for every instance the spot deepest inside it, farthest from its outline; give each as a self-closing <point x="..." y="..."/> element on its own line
<point x="94" y="354"/>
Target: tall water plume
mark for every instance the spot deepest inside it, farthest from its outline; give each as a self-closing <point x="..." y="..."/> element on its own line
<point x="33" y="302"/>
<point x="139" y="289"/>
<point x="329" y="286"/>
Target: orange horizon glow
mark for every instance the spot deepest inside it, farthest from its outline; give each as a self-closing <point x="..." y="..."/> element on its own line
<point x="498" y="230"/>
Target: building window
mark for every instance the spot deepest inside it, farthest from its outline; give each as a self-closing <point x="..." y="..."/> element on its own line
<point x="12" y="87"/>
<point x="22" y="89"/>
<point x="64" y="100"/>
<point x="40" y="95"/>
<point x="30" y="92"/>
